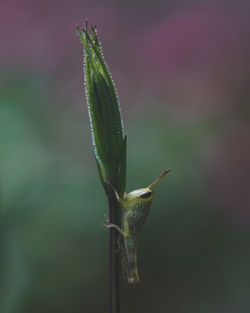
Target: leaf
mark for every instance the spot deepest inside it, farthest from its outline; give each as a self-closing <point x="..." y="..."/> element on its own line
<point x="108" y="138"/>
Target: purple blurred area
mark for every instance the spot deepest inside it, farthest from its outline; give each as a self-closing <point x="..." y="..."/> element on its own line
<point x="196" y="53"/>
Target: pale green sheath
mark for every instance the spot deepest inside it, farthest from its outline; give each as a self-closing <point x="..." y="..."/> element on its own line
<point x="137" y="205"/>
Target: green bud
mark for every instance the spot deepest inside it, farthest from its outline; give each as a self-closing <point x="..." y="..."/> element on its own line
<point x="108" y="137"/>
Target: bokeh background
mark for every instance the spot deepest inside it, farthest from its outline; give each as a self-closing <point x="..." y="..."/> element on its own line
<point x="182" y="73"/>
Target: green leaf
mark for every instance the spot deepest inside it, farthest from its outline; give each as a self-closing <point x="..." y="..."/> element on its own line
<point x="109" y="140"/>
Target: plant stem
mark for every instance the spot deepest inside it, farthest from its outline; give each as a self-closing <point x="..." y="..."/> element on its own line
<point x="114" y="257"/>
<point x="109" y="143"/>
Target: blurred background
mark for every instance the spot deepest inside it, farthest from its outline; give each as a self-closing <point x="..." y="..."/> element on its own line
<point x="182" y="73"/>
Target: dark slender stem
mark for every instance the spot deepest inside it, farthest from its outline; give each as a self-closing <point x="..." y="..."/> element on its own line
<point x="114" y="257"/>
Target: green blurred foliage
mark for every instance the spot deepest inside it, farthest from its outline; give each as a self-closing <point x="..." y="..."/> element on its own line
<point x="52" y="242"/>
